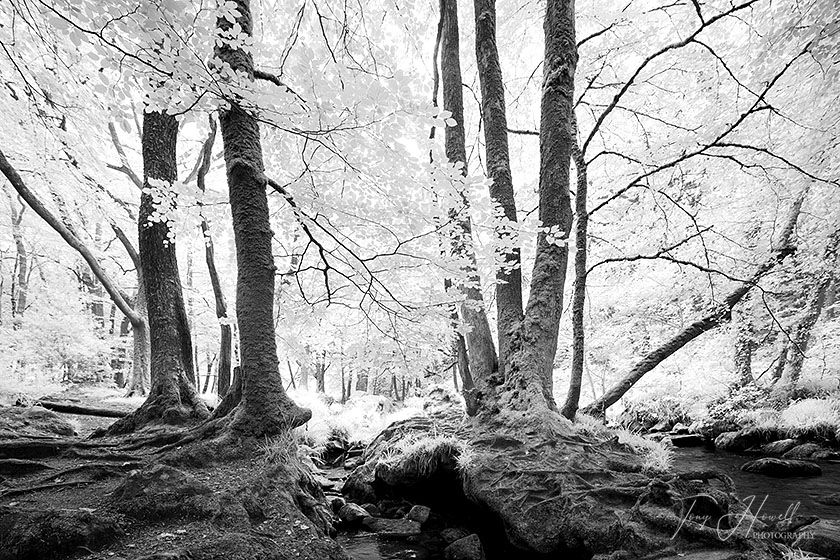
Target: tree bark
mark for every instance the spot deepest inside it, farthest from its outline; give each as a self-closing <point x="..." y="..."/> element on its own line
<point x="20" y="280"/>
<point x="745" y="345"/>
<point x="172" y="397"/>
<point x="497" y="160"/>
<point x="570" y="407"/>
<point x="528" y="372"/>
<point x="265" y="407"/>
<point x="481" y="351"/>
<point x="719" y="315"/>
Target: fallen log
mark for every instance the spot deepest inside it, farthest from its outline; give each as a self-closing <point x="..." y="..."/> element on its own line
<point x="68" y="408"/>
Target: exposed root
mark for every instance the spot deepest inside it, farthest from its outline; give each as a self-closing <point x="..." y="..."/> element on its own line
<point x="36" y="488"/>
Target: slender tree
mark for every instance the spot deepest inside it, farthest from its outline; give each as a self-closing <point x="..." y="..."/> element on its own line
<point x="720" y="314"/>
<point x="497" y="160"/>
<point x="483" y="363"/>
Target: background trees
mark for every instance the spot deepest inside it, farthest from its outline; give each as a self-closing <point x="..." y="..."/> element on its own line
<point x="697" y="126"/>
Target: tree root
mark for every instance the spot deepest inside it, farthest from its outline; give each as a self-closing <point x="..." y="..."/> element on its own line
<point x="36" y="488"/>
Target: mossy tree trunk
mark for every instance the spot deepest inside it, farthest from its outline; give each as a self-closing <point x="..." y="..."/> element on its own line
<point x="265" y="408"/>
<point x="172" y="397"/>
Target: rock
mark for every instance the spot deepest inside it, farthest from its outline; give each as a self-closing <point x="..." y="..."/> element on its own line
<point x="352" y="514"/>
<point x="829" y="499"/>
<point x="688" y="440"/>
<point x="826" y="455"/>
<point x="34" y="421"/>
<point x="803" y="451"/>
<point x="161" y="491"/>
<point x="662" y="426"/>
<point x="352" y="463"/>
<point x="781" y="468"/>
<point x="467" y="548"/>
<point x="372" y="509"/>
<point x="779" y="447"/>
<point x="822" y="537"/>
<point x="391" y="527"/>
<point x="711" y="429"/>
<point x="452" y="534"/>
<point x="359" y="485"/>
<point x="48" y="534"/>
<point x="392" y="508"/>
<point x="337" y="503"/>
<point x="418" y="513"/>
<point x="743" y="439"/>
<point x="680" y="429"/>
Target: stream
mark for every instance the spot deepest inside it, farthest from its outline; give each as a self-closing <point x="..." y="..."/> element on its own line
<point x="777" y="494"/>
<point x="773" y="496"/>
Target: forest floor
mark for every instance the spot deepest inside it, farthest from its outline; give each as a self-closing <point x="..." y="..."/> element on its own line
<point x="66" y="496"/>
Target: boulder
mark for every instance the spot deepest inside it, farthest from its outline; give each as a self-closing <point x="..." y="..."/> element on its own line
<point x="803" y="451"/>
<point x="452" y="534"/>
<point x="680" y="429"/>
<point x="826" y="455"/>
<point x="779" y="447"/>
<point x="359" y="485"/>
<point x="393" y="528"/>
<point x="336" y="504"/>
<point x="467" y="548"/>
<point x="352" y="514"/>
<point x="418" y="513"/>
<point x="711" y="429"/>
<point x="743" y="439"/>
<point x="822" y="537"/>
<point x="829" y="499"/>
<point x="781" y="468"/>
<point x="688" y="440"/>
<point x="161" y="491"/>
<point x="352" y="463"/>
<point x="372" y="509"/>
<point x="33" y="421"/>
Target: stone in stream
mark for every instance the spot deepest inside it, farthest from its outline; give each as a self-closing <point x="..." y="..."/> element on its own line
<point x="337" y="503"/>
<point x="352" y="514"/>
<point x="829" y="499"/>
<point x="803" y="451"/>
<point x="420" y="514"/>
<point x="467" y="548"/>
<point x="781" y="468"/>
<point x="680" y="429"/>
<point x="743" y="439"/>
<point x="394" y="528"/>
<point x="780" y="447"/>
<point x="822" y="537"/>
<point x="372" y="509"/>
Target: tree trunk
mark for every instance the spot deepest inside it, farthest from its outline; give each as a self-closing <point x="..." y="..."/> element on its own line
<point x="494" y="115"/>
<point x="481" y="351"/>
<point x="719" y="315"/>
<point x="570" y="407"/>
<point x="172" y="397"/>
<point x="528" y="371"/>
<point x="225" y="334"/>
<point x="801" y="333"/>
<point x="141" y="377"/>
<point x="265" y="407"/>
<point x="362" y="381"/>
<point x="20" y="280"/>
<point x="745" y="345"/>
<point x="320" y="371"/>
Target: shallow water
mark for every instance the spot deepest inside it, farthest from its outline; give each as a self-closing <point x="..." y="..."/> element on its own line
<point x="773" y="496"/>
<point x="366" y="546"/>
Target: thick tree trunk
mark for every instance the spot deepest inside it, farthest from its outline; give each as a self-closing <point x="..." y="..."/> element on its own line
<point x="570" y="407"/>
<point x="362" y="381"/>
<point x="528" y="372"/>
<point x="494" y="114"/>
<point x="721" y="314"/>
<point x="265" y="407"/>
<point x="172" y="396"/>
<point x="801" y="333"/>
<point x="481" y="351"/>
